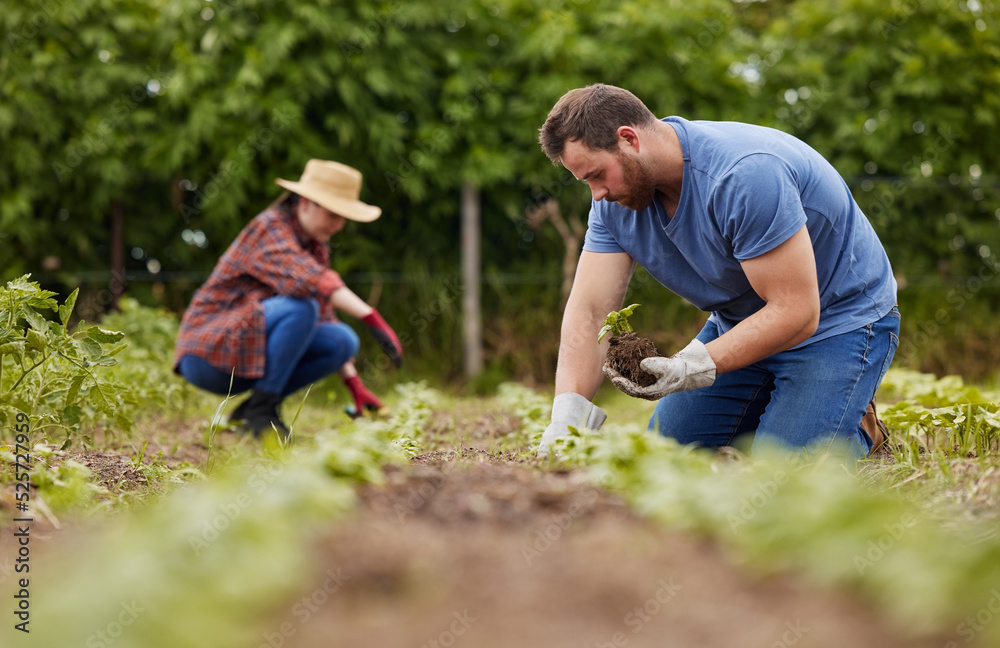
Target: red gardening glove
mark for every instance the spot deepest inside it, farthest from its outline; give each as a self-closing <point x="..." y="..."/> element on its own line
<point x="385" y="337"/>
<point x="363" y="398"/>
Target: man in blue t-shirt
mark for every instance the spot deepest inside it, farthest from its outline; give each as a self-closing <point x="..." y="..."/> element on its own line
<point x="745" y="222"/>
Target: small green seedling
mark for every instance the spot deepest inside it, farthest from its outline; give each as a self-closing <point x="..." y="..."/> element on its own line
<point x="616" y="322"/>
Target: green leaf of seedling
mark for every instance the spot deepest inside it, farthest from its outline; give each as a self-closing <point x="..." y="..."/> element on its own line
<point x="102" y="396"/>
<point x="36" y="339"/>
<point x="103" y="336"/>
<point x="66" y="310"/>
<point x="90" y="346"/>
<point x="74" y="390"/>
<point x="627" y="311"/>
<point x="617" y="322"/>
<point x="115" y="350"/>
<point x="15" y="349"/>
<point x="35" y="319"/>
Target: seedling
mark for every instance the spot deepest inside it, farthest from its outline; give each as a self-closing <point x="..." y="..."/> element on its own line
<point x="627" y="350"/>
<point x="616" y="322"/>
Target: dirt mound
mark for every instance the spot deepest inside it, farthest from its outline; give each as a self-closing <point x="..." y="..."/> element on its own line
<point x="625" y="352"/>
<point x="466" y="549"/>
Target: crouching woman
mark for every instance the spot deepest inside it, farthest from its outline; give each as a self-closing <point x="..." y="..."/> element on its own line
<point x="265" y="319"/>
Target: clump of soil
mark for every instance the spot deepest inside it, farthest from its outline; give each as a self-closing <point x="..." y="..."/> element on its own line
<point x="625" y="354"/>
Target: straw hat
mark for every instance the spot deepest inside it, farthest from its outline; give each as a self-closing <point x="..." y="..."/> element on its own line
<point x="335" y="186"/>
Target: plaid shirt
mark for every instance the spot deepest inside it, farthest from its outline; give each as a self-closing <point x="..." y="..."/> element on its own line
<point x="273" y="255"/>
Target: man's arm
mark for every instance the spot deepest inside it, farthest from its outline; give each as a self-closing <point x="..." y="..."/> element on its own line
<point x="598" y="288"/>
<point x="785" y="278"/>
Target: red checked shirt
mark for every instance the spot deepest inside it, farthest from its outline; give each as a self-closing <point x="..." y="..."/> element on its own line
<point x="273" y="255"/>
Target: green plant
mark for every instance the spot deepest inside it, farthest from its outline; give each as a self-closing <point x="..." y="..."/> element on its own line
<point x="616" y="322"/>
<point x="146" y="364"/>
<point x="778" y="512"/>
<point x="51" y="374"/>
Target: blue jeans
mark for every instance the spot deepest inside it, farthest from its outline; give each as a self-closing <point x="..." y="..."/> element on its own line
<point x="299" y="351"/>
<point x="812" y="397"/>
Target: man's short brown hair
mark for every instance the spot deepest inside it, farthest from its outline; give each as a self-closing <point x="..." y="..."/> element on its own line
<point x="591" y="115"/>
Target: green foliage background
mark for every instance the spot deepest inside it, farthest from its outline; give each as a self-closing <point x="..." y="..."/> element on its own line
<point x="183" y="112"/>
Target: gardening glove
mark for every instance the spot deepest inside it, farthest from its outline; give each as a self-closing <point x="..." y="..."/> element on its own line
<point x="689" y="368"/>
<point x="385" y="337"/>
<point x="363" y="398"/>
<point x="570" y="409"/>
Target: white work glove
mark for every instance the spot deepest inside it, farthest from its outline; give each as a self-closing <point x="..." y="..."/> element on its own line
<point x="570" y="409"/>
<point x="689" y="368"/>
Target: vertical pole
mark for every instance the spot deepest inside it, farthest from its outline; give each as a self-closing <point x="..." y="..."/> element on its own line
<point x="117" y="283"/>
<point x="471" y="281"/>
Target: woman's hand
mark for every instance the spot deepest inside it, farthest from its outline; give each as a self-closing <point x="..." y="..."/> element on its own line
<point x="385" y="337"/>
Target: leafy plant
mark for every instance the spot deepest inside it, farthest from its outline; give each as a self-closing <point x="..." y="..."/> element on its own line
<point x="51" y="374"/>
<point x="146" y="364"/>
<point x="616" y="322"/>
<point x="780" y="512"/>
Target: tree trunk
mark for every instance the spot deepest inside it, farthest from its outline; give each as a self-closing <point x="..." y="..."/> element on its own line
<point x="471" y="281"/>
<point x="571" y="230"/>
<point x="117" y="283"/>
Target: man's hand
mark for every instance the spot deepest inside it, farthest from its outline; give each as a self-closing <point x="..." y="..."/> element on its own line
<point x="570" y="409"/>
<point x="385" y="336"/>
<point x="689" y="368"/>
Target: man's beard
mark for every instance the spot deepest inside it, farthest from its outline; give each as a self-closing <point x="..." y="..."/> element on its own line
<point x="640" y="189"/>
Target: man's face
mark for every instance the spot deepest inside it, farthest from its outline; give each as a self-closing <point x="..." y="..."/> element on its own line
<point x="319" y="222"/>
<point x="619" y="176"/>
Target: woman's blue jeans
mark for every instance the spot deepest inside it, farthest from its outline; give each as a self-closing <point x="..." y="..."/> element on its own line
<point x="812" y="397"/>
<point x="299" y="350"/>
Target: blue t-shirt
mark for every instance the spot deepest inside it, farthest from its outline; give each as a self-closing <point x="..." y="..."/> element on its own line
<point x="747" y="189"/>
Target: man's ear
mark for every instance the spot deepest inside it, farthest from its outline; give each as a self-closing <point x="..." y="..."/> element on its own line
<point x="629" y="135"/>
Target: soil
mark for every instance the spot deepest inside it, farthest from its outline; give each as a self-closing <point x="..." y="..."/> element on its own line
<point x="470" y="548"/>
<point x="626" y="352"/>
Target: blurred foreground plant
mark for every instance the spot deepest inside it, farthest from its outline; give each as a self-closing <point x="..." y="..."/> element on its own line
<point x="784" y="512"/>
